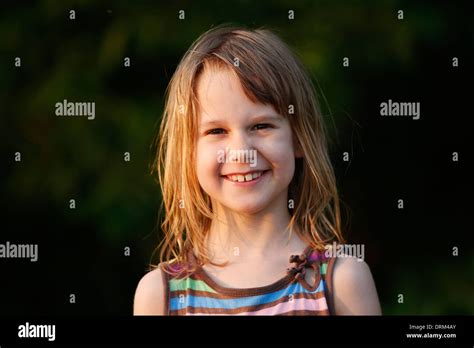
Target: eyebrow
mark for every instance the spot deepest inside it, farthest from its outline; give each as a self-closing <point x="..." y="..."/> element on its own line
<point x="253" y="119"/>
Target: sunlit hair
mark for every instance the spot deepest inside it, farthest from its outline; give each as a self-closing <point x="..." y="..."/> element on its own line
<point x="270" y="74"/>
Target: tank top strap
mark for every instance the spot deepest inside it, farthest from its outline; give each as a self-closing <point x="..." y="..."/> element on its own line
<point x="325" y="265"/>
<point x="172" y="272"/>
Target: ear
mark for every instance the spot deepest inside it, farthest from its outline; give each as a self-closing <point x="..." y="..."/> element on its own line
<point x="297" y="149"/>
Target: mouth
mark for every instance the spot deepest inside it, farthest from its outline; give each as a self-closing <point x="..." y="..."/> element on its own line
<point x="245" y="177"/>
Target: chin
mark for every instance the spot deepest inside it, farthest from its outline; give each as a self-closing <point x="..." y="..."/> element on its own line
<point x="248" y="208"/>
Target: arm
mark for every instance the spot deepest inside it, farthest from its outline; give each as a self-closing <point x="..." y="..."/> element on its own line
<point x="354" y="291"/>
<point x="150" y="294"/>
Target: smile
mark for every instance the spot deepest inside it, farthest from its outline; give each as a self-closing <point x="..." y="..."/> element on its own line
<point x="245" y="177"/>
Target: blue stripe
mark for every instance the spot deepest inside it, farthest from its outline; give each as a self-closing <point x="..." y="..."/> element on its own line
<point x="184" y="301"/>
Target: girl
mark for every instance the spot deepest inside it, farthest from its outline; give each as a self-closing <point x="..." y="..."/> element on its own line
<point x="248" y="190"/>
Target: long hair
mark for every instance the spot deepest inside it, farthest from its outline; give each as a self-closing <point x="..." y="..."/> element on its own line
<point x="270" y="73"/>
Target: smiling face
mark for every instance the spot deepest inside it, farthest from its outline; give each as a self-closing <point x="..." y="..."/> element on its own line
<point x="245" y="157"/>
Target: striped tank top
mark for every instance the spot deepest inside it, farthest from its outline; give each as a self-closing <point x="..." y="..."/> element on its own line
<point x="199" y="294"/>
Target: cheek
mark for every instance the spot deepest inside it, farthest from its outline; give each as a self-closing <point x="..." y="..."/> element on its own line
<point x="279" y="150"/>
<point x="207" y="166"/>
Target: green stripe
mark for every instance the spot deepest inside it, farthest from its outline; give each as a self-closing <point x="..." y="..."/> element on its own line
<point x="188" y="283"/>
<point x="323" y="268"/>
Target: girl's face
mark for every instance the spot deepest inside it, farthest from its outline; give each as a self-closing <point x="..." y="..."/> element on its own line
<point x="245" y="154"/>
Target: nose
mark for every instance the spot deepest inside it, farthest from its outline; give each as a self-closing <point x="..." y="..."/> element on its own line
<point x="240" y="142"/>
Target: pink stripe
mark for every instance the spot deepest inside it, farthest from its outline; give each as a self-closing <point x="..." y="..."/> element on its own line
<point x="295" y="305"/>
<point x="319" y="304"/>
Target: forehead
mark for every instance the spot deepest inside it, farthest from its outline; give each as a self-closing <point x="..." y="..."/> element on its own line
<point x="221" y="95"/>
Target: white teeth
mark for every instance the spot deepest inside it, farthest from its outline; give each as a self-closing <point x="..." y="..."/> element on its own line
<point x="247" y="177"/>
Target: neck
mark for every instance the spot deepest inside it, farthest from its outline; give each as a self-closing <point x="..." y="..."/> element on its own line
<point x="255" y="236"/>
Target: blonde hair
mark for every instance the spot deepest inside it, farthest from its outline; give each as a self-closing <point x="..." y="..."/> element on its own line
<point x="270" y="74"/>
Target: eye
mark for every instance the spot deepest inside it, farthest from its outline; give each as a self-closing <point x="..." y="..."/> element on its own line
<point x="262" y="126"/>
<point x="215" y="131"/>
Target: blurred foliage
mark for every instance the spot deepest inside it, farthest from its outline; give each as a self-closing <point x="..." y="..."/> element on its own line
<point x="117" y="201"/>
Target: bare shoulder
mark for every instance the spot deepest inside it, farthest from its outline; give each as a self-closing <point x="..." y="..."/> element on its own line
<point x="354" y="291"/>
<point x="150" y="295"/>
